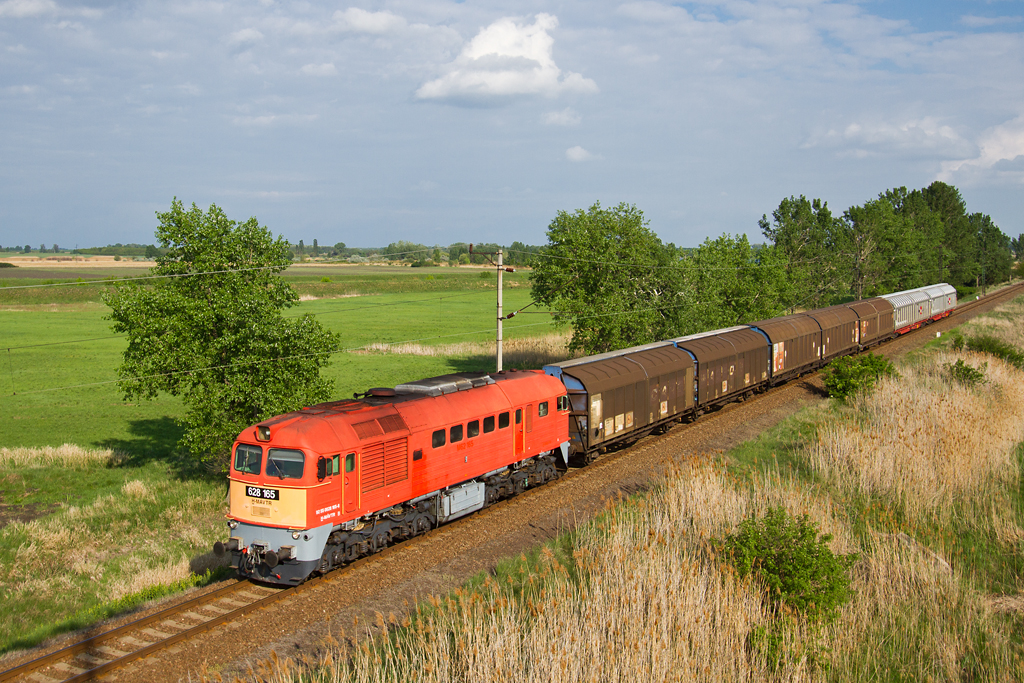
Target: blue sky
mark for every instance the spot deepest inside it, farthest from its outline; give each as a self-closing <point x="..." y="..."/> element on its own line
<point x="437" y="121"/>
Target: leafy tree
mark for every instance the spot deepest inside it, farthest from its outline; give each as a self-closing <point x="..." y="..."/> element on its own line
<point x="881" y="246"/>
<point x="218" y="339"/>
<point x="609" y="277"/>
<point x="316" y="248"/>
<point x="1017" y="245"/>
<point x="437" y="255"/>
<point x="726" y="281"/>
<point x="994" y="257"/>
<point x="27" y="249"/>
<point x="151" y="251"/>
<point x="810" y="239"/>
<point x="959" y="237"/>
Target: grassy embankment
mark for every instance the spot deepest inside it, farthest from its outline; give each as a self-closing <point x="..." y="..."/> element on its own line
<point x="921" y="478"/>
<point x="89" y="533"/>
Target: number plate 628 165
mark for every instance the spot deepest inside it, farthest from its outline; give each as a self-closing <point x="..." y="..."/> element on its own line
<point x="259" y="492"/>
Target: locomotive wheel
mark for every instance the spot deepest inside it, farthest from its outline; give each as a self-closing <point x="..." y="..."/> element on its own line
<point x="421" y="525"/>
<point x="380" y="541"/>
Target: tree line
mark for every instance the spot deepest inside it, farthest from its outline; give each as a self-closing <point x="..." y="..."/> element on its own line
<point x="612" y="280"/>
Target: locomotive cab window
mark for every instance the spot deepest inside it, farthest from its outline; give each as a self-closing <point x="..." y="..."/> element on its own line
<point x="248" y="458"/>
<point x="350" y="462"/>
<point x="437" y="438"/>
<point x="473" y="429"/>
<point x="563" y="403"/>
<point x="488" y="424"/>
<point x="285" y="463"/>
<point x="542" y="409"/>
<point x="456" y="433"/>
<point x="502" y="420"/>
<point x="519" y="416"/>
<point x="336" y="466"/>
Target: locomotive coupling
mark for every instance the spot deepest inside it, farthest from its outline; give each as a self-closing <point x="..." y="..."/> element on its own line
<point x="220" y="548"/>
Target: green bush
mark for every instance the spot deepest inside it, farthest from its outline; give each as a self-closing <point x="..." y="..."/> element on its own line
<point x="325" y="279"/>
<point x="7" y="264"/>
<point x="848" y="375"/>
<point x="964" y="374"/>
<point x="997" y="347"/>
<point x="788" y="555"/>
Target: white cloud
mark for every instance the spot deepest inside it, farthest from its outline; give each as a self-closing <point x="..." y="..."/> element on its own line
<point x="27" y="8"/>
<point x="566" y="117"/>
<point x="359" y="20"/>
<point x="982" y="22"/>
<point x="925" y="136"/>
<point x="246" y="36"/>
<point x="507" y="59"/>
<point x="319" y="69"/>
<point x="577" y="153"/>
<point x="1001" y="153"/>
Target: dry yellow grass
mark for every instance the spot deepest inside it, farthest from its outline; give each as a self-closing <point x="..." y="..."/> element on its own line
<point x="522" y="352"/>
<point x="68" y="456"/>
<point x="927" y="441"/>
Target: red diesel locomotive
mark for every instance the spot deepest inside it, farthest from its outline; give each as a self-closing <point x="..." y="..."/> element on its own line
<point x="325" y="485"/>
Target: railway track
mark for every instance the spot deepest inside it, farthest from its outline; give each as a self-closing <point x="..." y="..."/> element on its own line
<point x="92" y="657"/>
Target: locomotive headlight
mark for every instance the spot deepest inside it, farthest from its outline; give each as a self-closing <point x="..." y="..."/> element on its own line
<point x="263" y="433"/>
<point x="232" y="523"/>
<point x="295" y="535"/>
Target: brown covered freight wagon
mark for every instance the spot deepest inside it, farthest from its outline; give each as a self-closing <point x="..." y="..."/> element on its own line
<point x="839" y="330"/>
<point x="875" y="317"/>
<point x="729" y="362"/>
<point x="795" y="342"/>
<point x="622" y="395"/>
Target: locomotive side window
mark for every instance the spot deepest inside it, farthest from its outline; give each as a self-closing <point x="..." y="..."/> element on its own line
<point x="248" y="459"/>
<point x="456" y="433"/>
<point x="488" y="424"/>
<point x="502" y="420"/>
<point x="563" y="403"/>
<point x="542" y="409"/>
<point x="437" y="438"/>
<point x="473" y="429"/>
<point x="350" y="462"/>
<point x="285" y="463"/>
<point x="519" y="416"/>
<point x="336" y="468"/>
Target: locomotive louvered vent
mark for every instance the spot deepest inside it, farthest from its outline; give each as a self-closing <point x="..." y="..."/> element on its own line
<point x="385" y="463"/>
<point x="391" y="423"/>
<point x="368" y="429"/>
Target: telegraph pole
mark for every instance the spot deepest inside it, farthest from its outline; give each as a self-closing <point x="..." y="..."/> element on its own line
<point x="501" y="317"/>
<point x="498" y="337"/>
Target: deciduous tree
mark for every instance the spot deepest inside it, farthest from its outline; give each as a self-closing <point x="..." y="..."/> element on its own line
<point x="213" y="331"/>
<point x="609" y="277"/>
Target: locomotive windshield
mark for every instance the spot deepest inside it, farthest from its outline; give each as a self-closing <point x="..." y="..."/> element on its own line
<point x="248" y="458"/>
<point x="285" y="463"/>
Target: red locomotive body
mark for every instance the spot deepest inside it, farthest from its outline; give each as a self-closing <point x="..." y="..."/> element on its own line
<point x="327" y="484"/>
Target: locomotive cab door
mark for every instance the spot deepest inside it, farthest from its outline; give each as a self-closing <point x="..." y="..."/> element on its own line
<point x="520" y="434"/>
<point x="350" y="487"/>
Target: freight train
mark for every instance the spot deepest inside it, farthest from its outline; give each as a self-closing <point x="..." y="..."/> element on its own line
<point x="325" y="485"/>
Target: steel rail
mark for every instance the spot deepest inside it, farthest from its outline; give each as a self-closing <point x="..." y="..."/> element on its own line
<point x="115" y="633"/>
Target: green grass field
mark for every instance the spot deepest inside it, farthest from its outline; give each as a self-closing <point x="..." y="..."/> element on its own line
<point x="56" y="388"/>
